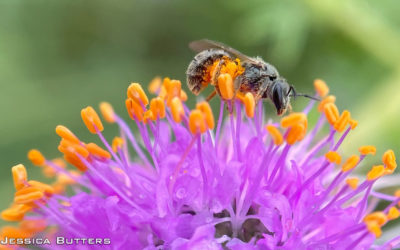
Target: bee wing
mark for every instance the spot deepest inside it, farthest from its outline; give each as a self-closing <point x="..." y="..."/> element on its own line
<point x="205" y="44"/>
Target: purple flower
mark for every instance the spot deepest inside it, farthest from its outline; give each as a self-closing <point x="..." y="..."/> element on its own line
<point x="180" y="183"/>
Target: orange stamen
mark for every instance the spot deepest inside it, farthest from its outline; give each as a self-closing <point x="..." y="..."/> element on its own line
<point x="74" y="160"/>
<point x="342" y="122"/>
<point x="353" y="123"/>
<point x="393" y="213"/>
<point x="14" y="232"/>
<point x="117" y="143"/>
<point x="296" y="133"/>
<point x="321" y="88"/>
<point x="47" y="189"/>
<point x="375" y="172"/>
<point x="389" y="159"/>
<point x="67" y="147"/>
<point x="136" y="93"/>
<point x="331" y="113"/>
<point x="205" y="108"/>
<point x="36" y="157"/>
<point x="28" y="195"/>
<point x="107" y="112"/>
<point x="365" y="150"/>
<point x="157" y="107"/>
<point x="352" y="182"/>
<point x="183" y="96"/>
<point x="12" y="214"/>
<point x="91" y="120"/>
<point x="66" y="134"/>
<point x="333" y="157"/>
<point x="275" y="134"/>
<point x="135" y="111"/>
<point x="326" y="100"/>
<point x="379" y="217"/>
<point x="197" y="123"/>
<point x="177" y="109"/>
<point x="249" y="104"/>
<point x="155" y="85"/>
<point x="374" y="228"/>
<point x="96" y="150"/>
<point x="174" y="89"/>
<point x="19" y="176"/>
<point x="225" y="84"/>
<point x="33" y="225"/>
<point x="293" y="119"/>
<point x="350" y="163"/>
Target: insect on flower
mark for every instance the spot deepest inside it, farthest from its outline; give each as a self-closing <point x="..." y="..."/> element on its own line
<point x="216" y="61"/>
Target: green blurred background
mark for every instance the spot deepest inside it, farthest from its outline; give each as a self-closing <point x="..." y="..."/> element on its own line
<point x="57" y="57"/>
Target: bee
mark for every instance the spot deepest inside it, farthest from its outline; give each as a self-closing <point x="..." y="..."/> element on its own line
<point x="258" y="77"/>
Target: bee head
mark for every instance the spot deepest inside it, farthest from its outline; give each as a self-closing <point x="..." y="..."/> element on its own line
<point x="280" y="95"/>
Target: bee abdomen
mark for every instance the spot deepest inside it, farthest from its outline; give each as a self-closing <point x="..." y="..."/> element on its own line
<point x="197" y="70"/>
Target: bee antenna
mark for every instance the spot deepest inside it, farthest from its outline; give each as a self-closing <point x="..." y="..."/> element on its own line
<point x="292" y="92"/>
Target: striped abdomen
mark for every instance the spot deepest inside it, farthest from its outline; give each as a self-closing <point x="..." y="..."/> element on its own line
<point x="198" y="72"/>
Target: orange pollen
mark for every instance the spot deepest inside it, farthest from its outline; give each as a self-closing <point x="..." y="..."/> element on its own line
<point x="148" y="116"/>
<point x="47" y="189"/>
<point x="74" y="160"/>
<point x="28" y="195"/>
<point x="66" y="134"/>
<point x="275" y="134"/>
<point x="155" y="85"/>
<point x="352" y="182"/>
<point x="331" y="113"/>
<point x="12" y="214"/>
<point x="296" y="133"/>
<point x="350" y="163"/>
<point x="174" y="88"/>
<point x="197" y="123"/>
<point x="117" y="143"/>
<point x="353" y="123"/>
<point x="379" y="217"/>
<point x="19" y="176"/>
<point x="375" y="172"/>
<point x="326" y="100"/>
<point x="342" y="122"/>
<point x="91" y="120"/>
<point x="333" y="157"/>
<point x="36" y="157"/>
<point x="365" y="150"/>
<point x="374" y="228"/>
<point x="225" y="85"/>
<point x="96" y="150"/>
<point x="293" y="119"/>
<point x="136" y="93"/>
<point x="205" y="108"/>
<point x="389" y="159"/>
<point x="67" y="147"/>
<point x="177" y="109"/>
<point x="135" y="111"/>
<point x="157" y="106"/>
<point x="183" y="96"/>
<point x="107" y="112"/>
<point x="321" y="88"/>
<point x="249" y="104"/>
<point x="393" y="213"/>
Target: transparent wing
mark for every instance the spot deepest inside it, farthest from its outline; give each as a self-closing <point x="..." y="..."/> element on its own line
<point x="205" y="44"/>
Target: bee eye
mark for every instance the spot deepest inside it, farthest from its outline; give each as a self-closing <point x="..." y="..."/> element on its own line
<point x="277" y="97"/>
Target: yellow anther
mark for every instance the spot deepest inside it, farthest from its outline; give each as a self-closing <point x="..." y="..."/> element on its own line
<point x="374" y="228"/>
<point x="375" y="172"/>
<point x="47" y="189"/>
<point x="148" y="116"/>
<point x="326" y="100"/>
<point x="197" y="123"/>
<point x="12" y="214"/>
<point x="96" y="150"/>
<point x="117" y="143"/>
<point x="177" y="110"/>
<point x="163" y="93"/>
<point x="135" y="111"/>
<point x="36" y="157"/>
<point x="66" y="134"/>
<point x="393" y="213"/>
<point x="75" y="161"/>
<point x="342" y="122"/>
<point x="350" y="163"/>
<point x="183" y="96"/>
<point x="352" y="182"/>
<point x="136" y="93"/>
<point x="249" y="104"/>
<point x="353" y="123"/>
<point x="321" y="88"/>
<point x="20" y="176"/>
<point x="333" y="157"/>
<point x="389" y="159"/>
<point x="155" y="85"/>
<point x="157" y="107"/>
<point x="28" y="195"/>
<point x="67" y="147"/>
<point x="379" y="217"/>
<point x="205" y="108"/>
<point x="293" y="119"/>
<point x="275" y="134"/>
<point x="296" y="133"/>
<point x="368" y="149"/>
<point x="240" y="96"/>
<point x="91" y="120"/>
<point x="174" y="89"/>
<point x="225" y="85"/>
<point x="107" y="112"/>
<point x="331" y="113"/>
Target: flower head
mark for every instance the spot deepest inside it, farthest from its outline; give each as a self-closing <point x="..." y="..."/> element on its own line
<point x="188" y="181"/>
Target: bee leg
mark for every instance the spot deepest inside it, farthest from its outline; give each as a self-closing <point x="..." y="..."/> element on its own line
<point x="261" y="90"/>
<point x="211" y="95"/>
